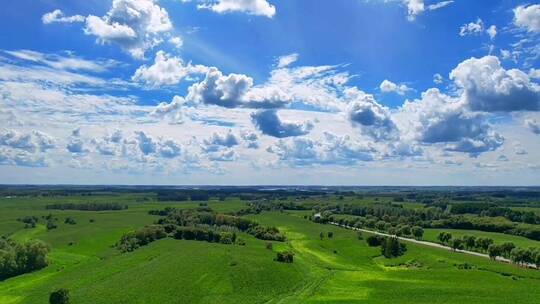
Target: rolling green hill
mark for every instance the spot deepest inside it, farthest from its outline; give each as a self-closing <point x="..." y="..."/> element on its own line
<point x="342" y="269"/>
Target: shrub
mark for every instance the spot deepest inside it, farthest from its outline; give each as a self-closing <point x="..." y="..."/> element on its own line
<point x="70" y="221"/>
<point x="133" y="240"/>
<point x="29" y="221"/>
<point x="269" y="246"/>
<point x="374" y="240"/>
<point x="285" y="256"/>
<point x="51" y="225"/>
<point x="60" y="296"/>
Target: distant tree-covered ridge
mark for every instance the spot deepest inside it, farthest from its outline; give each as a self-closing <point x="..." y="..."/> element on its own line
<point x="492" y="210"/>
<point x="17" y="258"/>
<point x="199" y="224"/>
<point x="87" y="206"/>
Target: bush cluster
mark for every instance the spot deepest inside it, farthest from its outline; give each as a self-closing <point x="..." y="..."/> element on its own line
<point x="29" y="221"/>
<point x="133" y="240"/>
<point x="16" y="258"/>
<point x="285" y="256"/>
<point x="391" y="247"/>
<point x="199" y="224"/>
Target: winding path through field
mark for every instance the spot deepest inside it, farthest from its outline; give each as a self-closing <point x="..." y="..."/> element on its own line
<point x="500" y="259"/>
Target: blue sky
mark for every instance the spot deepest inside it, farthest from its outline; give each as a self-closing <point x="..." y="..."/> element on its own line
<point x="353" y="92"/>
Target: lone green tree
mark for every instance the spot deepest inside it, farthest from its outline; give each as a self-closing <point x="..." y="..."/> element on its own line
<point x="456" y="244"/>
<point x="469" y="241"/>
<point x="494" y="251"/>
<point x="483" y="243"/>
<point x="391" y="247"/>
<point x="417" y="232"/>
<point x="506" y="248"/>
<point x="444" y="237"/>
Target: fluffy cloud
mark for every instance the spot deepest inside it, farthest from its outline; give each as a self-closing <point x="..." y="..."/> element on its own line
<point x="487" y="86"/>
<point x="251" y="139"/>
<point x="372" y="118"/>
<point x="417" y="7"/>
<point x="472" y="28"/>
<point x="219" y="147"/>
<point x="269" y="123"/>
<point x="252" y="7"/>
<point x="287" y="60"/>
<point x="176" y="41"/>
<point x="528" y="17"/>
<point x="440" y="119"/>
<point x="345" y="150"/>
<point x="143" y="147"/>
<point x="334" y="150"/>
<point x="76" y="144"/>
<point x="109" y="144"/>
<point x="145" y="143"/>
<point x="57" y="16"/>
<point x="168" y="148"/>
<point x="167" y="70"/>
<point x="314" y="87"/>
<point x="492" y="32"/>
<point x="217" y="141"/>
<point x="21" y="158"/>
<point x="172" y="111"/>
<point x="223" y="155"/>
<point x="387" y="86"/>
<point x="297" y="151"/>
<point x="135" y="25"/>
<point x="30" y="142"/>
<point x="217" y="89"/>
<point x="438" y="79"/>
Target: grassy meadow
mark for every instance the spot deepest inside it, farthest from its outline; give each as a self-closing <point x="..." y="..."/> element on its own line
<point x="342" y="269"/>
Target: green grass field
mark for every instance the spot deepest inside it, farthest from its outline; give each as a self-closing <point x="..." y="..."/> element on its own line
<point x="338" y="270"/>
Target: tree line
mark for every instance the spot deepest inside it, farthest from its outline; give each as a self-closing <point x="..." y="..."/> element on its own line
<point x="508" y="250"/>
<point x="492" y="210"/>
<point x="397" y="229"/>
<point x="87" y="206"/>
<point x="377" y="215"/>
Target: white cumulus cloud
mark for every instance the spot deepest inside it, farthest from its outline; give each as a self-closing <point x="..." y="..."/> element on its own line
<point x="528" y="17"/>
<point x="252" y="7"/>
<point x="167" y="70"/>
